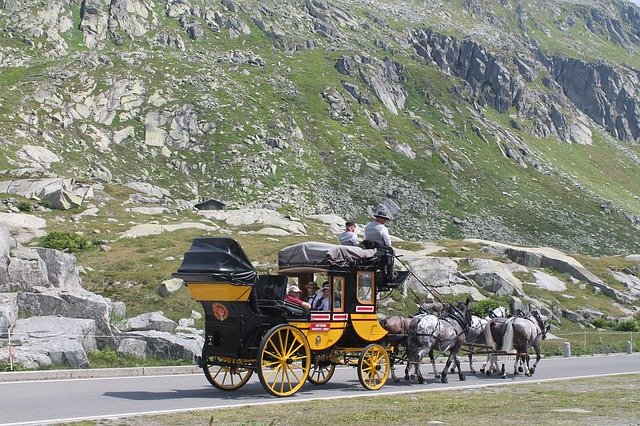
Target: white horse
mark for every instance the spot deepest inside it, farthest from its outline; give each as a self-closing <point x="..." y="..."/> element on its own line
<point x="429" y="332"/>
<point x="519" y="333"/>
<point x="476" y="337"/>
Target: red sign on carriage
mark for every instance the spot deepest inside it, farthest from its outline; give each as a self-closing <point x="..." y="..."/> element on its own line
<point x="320" y="326"/>
<point x="220" y="312"/>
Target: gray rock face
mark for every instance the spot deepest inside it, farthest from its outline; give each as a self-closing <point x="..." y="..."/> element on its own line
<point x="168" y="346"/>
<point x="23" y="227"/>
<point x="133" y="347"/>
<point x="495" y="277"/>
<point x="8" y="312"/>
<point x="548" y="282"/>
<point x="170" y="286"/>
<point x="150" y="321"/>
<point x="62" y="271"/>
<point x="385" y="78"/>
<point x="40" y="341"/>
<point x="608" y="96"/>
<point x="77" y="304"/>
<point x="6" y="244"/>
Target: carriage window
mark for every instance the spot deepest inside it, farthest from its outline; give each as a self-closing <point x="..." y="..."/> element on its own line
<point x="338" y="292"/>
<point x="365" y="287"/>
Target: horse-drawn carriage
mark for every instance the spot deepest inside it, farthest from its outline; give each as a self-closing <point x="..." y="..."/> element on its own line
<point x="249" y="327"/>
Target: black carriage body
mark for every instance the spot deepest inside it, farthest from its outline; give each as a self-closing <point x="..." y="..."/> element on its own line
<point x="239" y="305"/>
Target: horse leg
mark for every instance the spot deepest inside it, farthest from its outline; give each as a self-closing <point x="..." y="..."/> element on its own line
<point x="457" y="361"/>
<point x="446" y="367"/>
<point x="471" y="360"/>
<point x="433" y="364"/>
<point x="537" y="349"/>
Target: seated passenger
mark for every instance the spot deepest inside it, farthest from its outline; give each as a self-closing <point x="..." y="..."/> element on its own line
<point x="293" y="296"/>
<point x="312" y="289"/>
<point x="349" y="237"/>
<point x="321" y="301"/>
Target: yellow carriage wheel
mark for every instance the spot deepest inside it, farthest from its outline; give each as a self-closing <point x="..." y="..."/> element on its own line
<point x="283" y="360"/>
<point x="321" y="374"/>
<point x="373" y="367"/>
<point x="227" y="377"/>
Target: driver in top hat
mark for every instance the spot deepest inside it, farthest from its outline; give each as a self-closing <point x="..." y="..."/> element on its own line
<point x="376" y="230"/>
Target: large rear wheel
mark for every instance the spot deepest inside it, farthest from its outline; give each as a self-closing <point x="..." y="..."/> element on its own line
<point x="373" y="367"/>
<point x="283" y="360"/>
<point x="228" y="376"/>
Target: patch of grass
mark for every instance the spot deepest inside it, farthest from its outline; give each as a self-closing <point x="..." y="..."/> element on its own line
<point x="608" y="400"/>
<point x="109" y="358"/>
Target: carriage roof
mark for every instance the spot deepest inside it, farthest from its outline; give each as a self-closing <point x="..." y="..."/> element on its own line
<point x="218" y="259"/>
<point x="323" y="256"/>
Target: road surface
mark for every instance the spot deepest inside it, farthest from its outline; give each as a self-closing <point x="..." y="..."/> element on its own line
<point x="50" y="401"/>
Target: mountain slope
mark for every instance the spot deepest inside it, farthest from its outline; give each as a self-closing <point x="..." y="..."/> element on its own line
<point x="507" y="120"/>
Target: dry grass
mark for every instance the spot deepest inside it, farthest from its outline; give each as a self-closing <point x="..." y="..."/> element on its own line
<point x="603" y="401"/>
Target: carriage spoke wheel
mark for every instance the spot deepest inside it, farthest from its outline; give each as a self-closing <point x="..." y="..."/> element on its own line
<point x="284" y="360"/>
<point x="373" y="367"/>
<point x="321" y="374"/>
<point x="227" y="377"/>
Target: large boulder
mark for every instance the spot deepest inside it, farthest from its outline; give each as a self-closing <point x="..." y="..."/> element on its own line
<point x="548" y="282"/>
<point x="248" y="217"/>
<point x="40" y="341"/>
<point x="8" y="312"/>
<point x="544" y="257"/>
<point x="136" y="348"/>
<point x="62" y="200"/>
<point x="495" y="277"/>
<point x="149" y="321"/>
<point x="7" y="242"/>
<point x="62" y="271"/>
<point x="166" y="345"/>
<point x="23" y="227"/>
<point x="26" y="270"/>
<point x="77" y="304"/>
<point x="41" y="267"/>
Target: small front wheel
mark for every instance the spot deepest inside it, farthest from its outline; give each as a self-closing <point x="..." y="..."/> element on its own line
<point x="229" y="376"/>
<point x="321" y="374"/>
<point x="373" y="367"/>
<point x="283" y="360"/>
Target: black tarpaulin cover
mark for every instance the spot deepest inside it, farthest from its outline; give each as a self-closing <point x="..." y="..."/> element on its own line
<point x="216" y="258"/>
<point x="315" y="253"/>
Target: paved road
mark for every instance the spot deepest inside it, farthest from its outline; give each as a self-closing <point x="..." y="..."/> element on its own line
<point x="38" y="402"/>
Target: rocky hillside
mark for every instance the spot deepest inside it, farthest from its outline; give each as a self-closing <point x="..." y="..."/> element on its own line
<point x="509" y="120"/>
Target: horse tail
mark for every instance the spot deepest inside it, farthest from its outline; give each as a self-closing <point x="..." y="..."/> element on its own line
<point x="488" y="335"/>
<point x="507" y="337"/>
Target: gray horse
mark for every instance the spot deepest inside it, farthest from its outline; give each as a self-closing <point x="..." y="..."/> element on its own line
<point x="475" y="337"/>
<point x="520" y="333"/>
<point x="447" y="333"/>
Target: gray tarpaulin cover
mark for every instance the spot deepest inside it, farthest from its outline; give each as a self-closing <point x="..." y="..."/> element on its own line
<point x="315" y="253"/>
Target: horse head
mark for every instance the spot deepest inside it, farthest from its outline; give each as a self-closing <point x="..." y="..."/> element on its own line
<point x="463" y="310"/>
<point x="499" y="312"/>
<point x="543" y="322"/>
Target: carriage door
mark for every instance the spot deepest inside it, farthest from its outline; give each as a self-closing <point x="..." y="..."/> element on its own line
<point x="364" y="319"/>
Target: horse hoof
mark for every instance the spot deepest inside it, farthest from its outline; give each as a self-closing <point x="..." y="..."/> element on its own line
<point x="520" y="369"/>
<point x="421" y="380"/>
<point x="396" y="380"/>
<point x="437" y="376"/>
<point x="504" y="376"/>
<point x="473" y="371"/>
<point x="527" y="374"/>
<point x="481" y="371"/>
<point x="462" y="378"/>
<point x="532" y="370"/>
<point x="444" y="380"/>
<point x="488" y="373"/>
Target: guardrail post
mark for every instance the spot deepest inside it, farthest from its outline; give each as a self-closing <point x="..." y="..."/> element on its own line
<point x="566" y="349"/>
<point x="629" y="347"/>
<point x="10" y="350"/>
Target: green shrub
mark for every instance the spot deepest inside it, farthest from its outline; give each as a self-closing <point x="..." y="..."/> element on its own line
<point x="24" y="206"/>
<point x="483" y="307"/>
<point x="602" y="323"/>
<point x="63" y="240"/>
<point x="628" y="325"/>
